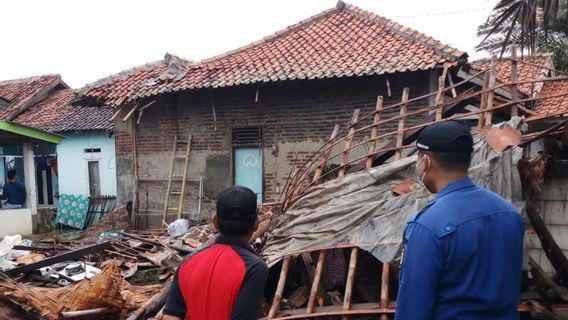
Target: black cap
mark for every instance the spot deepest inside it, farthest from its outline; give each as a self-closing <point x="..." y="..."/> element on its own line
<point x="236" y="203"/>
<point x="447" y="136"/>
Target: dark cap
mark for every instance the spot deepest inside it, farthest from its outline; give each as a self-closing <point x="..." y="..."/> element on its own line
<point x="447" y="136"/>
<point x="236" y="203"/>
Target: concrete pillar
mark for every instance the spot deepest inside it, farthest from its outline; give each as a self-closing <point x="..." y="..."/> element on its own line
<point x="30" y="178"/>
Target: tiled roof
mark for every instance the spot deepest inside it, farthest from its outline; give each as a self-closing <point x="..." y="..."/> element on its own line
<point x="553" y="105"/>
<point x="341" y="42"/>
<point x="56" y="114"/>
<point x="527" y="69"/>
<point x="20" y="92"/>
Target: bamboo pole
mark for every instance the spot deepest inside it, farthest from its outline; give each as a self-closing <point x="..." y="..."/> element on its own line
<point x="87" y="314"/>
<point x="349" y="142"/>
<point x="325" y="155"/>
<point x="440" y="98"/>
<point x="280" y="288"/>
<point x="400" y="131"/>
<point x="374" y="131"/>
<point x="350" y="281"/>
<point x="315" y="284"/>
<point x="385" y="275"/>
<point x="184" y="182"/>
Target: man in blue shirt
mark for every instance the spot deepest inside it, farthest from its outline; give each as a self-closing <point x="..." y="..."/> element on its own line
<point x="14" y="192"/>
<point x="463" y="252"/>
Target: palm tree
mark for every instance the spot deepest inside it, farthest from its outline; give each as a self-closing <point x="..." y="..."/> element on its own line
<point x="529" y="24"/>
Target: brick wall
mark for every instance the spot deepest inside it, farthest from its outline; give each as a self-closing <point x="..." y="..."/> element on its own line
<point x="296" y="117"/>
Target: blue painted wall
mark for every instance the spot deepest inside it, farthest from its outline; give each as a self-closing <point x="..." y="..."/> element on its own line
<point x="72" y="162"/>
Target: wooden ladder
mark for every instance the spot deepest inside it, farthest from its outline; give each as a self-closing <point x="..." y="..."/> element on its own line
<point x="183" y="146"/>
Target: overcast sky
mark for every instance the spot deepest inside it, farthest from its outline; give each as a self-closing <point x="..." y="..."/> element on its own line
<point x="87" y="40"/>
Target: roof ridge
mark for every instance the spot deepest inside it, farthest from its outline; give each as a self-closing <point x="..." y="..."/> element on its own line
<point x="108" y="79"/>
<point x="356" y="11"/>
<point x="404" y="31"/>
<point x="524" y="57"/>
<point x="29" y="79"/>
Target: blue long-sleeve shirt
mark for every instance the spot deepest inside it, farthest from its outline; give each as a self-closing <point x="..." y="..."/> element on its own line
<point x="14" y="193"/>
<point x="462" y="257"/>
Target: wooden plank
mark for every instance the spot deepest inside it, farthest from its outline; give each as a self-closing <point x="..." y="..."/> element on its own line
<point x="184" y="181"/>
<point x="325" y="154"/>
<point x="483" y="102"/>
<point x="350" y="281"/>
<point x="551" y="248"/>
<point x="315" y="284"/>
<point x="540" y="276"/>
<point x="400" y="131"/>
<point x="385" y="276"/>
<point x="491" y="93"/>
<point x="280" y="288"/>
<point x="169" y="187"/>
<point x="514" y="92"/>
<point x="71" y="255"/>
<point x="374" y="132"/>
<point x="348" y="143"/>
<point x="97" y="313"/>
<point x="115" y="114"/>
<point x="153" y="305"/>
<point x="308" y="262"/>
<point x="130" y="113"/>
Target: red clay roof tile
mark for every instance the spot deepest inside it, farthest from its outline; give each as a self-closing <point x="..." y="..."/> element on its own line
<point x="344" y="41"/>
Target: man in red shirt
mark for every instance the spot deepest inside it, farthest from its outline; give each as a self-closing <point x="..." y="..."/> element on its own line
<point x="227" y="279"/>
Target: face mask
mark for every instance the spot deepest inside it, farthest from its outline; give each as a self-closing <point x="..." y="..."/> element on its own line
<point x="425" y="171"/>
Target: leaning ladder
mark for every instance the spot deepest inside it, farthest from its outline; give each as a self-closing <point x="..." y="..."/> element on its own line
<point x="180" y="145"/>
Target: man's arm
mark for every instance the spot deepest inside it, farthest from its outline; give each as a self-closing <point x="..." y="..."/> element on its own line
<point x="247" y="303"/>
<point x="175" y="308"/>
<point x="419" y="276"/>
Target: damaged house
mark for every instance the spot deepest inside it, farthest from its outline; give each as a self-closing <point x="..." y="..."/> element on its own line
<point x="80" y="165"/>
<point x="254" y="113"/>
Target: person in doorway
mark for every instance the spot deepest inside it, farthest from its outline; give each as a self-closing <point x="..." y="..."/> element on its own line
<point x="14" y="192"/>
<point x="226" y="280"/>
<point x="463" y="252"/>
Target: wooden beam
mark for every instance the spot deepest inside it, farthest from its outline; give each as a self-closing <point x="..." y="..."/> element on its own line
<point x="400" y="131"/>
<point x="214" y="117"/>
<point x="87" y="314"/>
<point x="71" y="255"/>
<point x="440" y="94"/>
<point x="350" y="281"/>
<point x="451" y="81"/>
<point x="483" y="103"/>
<point x="514" y="93"/>
<point x="280" y="288"/>
<point x="551" y="248"/>
<point x="130" y="113"/>
<point x="491" y="93"/>
<point x="325" y="155"/>
<point x="315" y="284"/>
<point x="374" y="132"/>
<point x="116" y="113"/>
<point x="348" y="143"/>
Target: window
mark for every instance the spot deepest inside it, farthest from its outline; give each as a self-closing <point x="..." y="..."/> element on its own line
<point x="92" y="150"/>
<point x="247" y="136"/>
<point x="94" y="178"/>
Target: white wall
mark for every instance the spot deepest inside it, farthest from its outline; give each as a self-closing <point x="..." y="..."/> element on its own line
<point x="72" y="162"/>
<point x="16" y="221"/>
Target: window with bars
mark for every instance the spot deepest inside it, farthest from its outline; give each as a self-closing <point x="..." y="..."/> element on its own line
<point x="248" y="136"/>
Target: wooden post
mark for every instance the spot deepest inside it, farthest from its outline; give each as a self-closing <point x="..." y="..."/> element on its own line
<point x="385" y="288"/>
<point x="280" y="288"/>
<point x="374" y="132"/>
<point x="315" y="284"/>
<point x="514" y="93"/>
<point x="350" y="280"/>
<point x="451" y="81"/>
<point x="491" y="93"/>
<point x="308" y="262"/>
<point x="483" y="102"/>
<point x="169" y="186"/>
<point x="440" y="94"/>
<point x="400" y="131"/>
<point x="325" y="155"/>
<point x="348" y="143"/>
